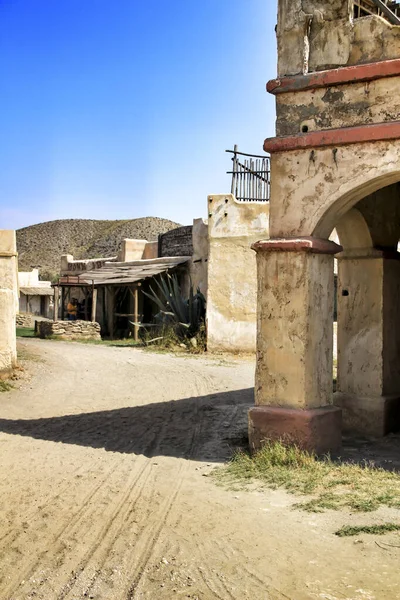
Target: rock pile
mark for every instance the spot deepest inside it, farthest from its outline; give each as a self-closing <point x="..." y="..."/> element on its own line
<point x="69" y="330"/>
<point x="24" y="320"/>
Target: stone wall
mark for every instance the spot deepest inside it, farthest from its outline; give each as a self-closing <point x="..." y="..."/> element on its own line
<point x="24" y="320"/>
<point x="232" y="273"/>
<point x="177" y="242"/>
<point x="69" y="330"/>
<point x="8" y="300"/>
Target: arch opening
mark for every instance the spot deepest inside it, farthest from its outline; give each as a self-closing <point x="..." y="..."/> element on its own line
<point x="368" y="310"/>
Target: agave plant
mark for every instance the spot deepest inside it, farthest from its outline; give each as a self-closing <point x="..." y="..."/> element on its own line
<point x="186" y="316"/>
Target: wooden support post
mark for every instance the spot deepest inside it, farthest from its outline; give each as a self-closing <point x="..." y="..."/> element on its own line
<point x="110" y="310"/>
<point x="62" y="304"/>
<point x="86" y="317"/>
<point x="94" y="303"/>
<point x="56" y="302"/>
<point x="136" y="315"/>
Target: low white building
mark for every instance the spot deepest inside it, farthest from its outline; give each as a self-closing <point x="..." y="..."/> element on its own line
<point x="35" y="297"/>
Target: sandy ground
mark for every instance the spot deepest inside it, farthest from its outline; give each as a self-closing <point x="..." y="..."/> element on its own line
<point x="104" y="491"/>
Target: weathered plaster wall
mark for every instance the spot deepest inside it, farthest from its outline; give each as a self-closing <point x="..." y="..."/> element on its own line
<point x="294" y="351"/>
<point x="150" y="250"/>
<point x="8" y="300"/>
<point x="360" y="326"/>
<point x="391" y="327"/>
<point x="338" y="106"/>
<point x="199" y="263"/>
<point x="131" y="250"/>
<point x="312" y="189"/>
<point x="232" y="275"/>
<point x="29" y="278"/>
<point x="321" y="34"/>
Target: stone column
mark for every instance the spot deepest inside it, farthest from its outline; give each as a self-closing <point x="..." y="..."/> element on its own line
<point x="294" y="386"/>
<point x="8" y="300"/>
<point x="368" y="383"/>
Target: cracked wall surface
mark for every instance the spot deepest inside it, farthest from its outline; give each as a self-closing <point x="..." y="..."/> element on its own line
<point x="8" y="300"/>
<point x="232" y="272"/>
<point x="314" y="35"/>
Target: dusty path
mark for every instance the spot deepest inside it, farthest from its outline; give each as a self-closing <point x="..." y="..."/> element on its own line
<point x="103" y="493"/>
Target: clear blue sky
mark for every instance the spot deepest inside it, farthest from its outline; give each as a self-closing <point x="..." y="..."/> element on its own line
<point x="118" y="110"/>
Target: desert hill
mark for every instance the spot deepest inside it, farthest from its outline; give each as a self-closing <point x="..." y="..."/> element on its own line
<point x="42" y="245"/>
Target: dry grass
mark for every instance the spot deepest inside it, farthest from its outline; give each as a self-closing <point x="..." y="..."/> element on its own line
<point x="349" y="530"/>
<point x="5" y="386"/>
<point x="331" y="485"/>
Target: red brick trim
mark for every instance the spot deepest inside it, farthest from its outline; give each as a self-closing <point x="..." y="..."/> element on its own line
<point x="355" y="74"/>
<point x="298" y="244"/>
<point x="316" y="430"/>
<point x="335" y="137"/>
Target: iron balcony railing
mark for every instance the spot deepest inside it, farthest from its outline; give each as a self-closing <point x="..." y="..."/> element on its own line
<point x="388" y="9"/>
<point x="250" y="176"/>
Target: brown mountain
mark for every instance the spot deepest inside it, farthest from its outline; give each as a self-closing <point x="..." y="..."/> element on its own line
<point x="42" y="245"/>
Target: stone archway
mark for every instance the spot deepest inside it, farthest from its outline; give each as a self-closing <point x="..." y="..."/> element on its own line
<point x="294" y="369"/>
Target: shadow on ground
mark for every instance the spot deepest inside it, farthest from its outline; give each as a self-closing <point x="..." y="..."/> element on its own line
<point x="204" y="428"/>
<point x="207" y="428"/>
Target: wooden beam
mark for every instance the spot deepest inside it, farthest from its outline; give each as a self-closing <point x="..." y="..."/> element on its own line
<point x="56" y="302"/>
<point x="94" y="303"/>
<point x="62" y="304"/>
<point x="110" y="310"/>
<point x="136" y="315"/>
<point x="86" y="304"/>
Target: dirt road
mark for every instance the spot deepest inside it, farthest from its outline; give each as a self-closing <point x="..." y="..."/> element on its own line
<point x="104" y="492"/>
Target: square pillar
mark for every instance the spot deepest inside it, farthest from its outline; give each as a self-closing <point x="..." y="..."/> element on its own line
<point x="294" y="390"/>
<point x="368" y="384"/>
<point x="8" y="301"/>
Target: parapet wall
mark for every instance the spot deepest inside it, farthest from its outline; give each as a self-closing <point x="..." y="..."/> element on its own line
<point x="314" y="35"/>
<point x="69" y="330"/>
<point x="232" y="272"/>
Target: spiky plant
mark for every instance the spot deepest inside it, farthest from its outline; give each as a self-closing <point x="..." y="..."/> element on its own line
<point x="186" y="316"/>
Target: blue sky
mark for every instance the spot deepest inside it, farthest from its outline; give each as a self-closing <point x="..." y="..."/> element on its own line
<point x="119" y="110"/>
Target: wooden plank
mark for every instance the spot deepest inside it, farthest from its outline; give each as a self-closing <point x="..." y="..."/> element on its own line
<point x="136" y="315"/>
<point x="111" y="311"/>
<point x="94" y="304"/>
<point x="56" y="302"/>
<point x="62" y="304"/>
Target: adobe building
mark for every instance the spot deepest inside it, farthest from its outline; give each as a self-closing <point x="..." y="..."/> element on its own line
<point x="8" y="301"/>
<point x="35" y="296"/>
<point x="335" y="164"/>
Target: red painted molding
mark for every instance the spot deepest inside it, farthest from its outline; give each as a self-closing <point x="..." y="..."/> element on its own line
<point x="320" y="79"/>
<point x="298" y="244"/>
<point x="335" y="137"/>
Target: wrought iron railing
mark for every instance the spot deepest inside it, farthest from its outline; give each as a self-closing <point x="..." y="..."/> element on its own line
<point x="388" y="9"/>
<point x="250" y="177"/>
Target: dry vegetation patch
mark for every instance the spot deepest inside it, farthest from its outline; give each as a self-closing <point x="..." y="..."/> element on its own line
<point x="331" y="485"/>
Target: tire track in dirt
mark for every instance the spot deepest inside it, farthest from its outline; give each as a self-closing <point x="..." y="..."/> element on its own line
<point x="81" y="517"/>
<point x="152" y="536"/>
<point x="27" y="568"/>
<point x="147" y="539"/>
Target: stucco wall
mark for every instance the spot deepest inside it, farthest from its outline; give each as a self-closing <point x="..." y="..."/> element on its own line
<point x="199" y="263"/>
<point x="312" y="189"/>
<point x="338" y="106"/>
<point x="29" y="278"/>
<point x="232" y="275"/>
<point x="294" y="366"/>
<point x="8" y="300"/>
